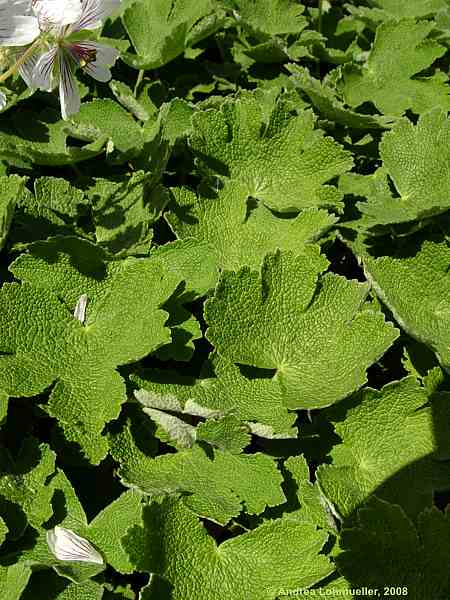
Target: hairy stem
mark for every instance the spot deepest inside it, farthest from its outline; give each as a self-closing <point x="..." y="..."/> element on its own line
<point x="139" y="79"/>
<point x="21" y="60"/>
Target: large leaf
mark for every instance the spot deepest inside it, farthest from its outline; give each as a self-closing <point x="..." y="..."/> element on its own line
<point x="387" y="79"/>
<point x="314" y="330"/>
<point x="259" y="565"/>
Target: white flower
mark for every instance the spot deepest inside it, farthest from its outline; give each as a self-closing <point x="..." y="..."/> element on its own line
<point x="56" y="13"/>
<point x="2" y="100"/>
<point x="67" y="545"/>
<point x="61" y="20"/>
<point x="18" y="26"/>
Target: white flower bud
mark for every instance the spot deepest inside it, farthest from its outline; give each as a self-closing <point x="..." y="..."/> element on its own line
<point x="80" y="309"/>
<point x="67" y="545"/>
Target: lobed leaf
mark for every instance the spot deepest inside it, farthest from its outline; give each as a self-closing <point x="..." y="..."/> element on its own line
<point x="315" y="331"/>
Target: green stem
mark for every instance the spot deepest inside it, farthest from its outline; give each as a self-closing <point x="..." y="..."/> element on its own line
<point x="320" y="16"/>
<point x="139" y="79"/>
<point x="22" y="60"/>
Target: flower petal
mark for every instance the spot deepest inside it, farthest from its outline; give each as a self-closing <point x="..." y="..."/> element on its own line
<point x="94" y="12"/>
<point x="67" y="545"/>
<point x="98" y="72"/>
<point x="57" y="13"/>
<point x="2" y="100"/>
<point x="27" y="70"/>
<point x="104" y="56"/>
<point x="15" y="7"/>
<point x="69" y="94"/>
<point x="80" y="309"/>
<point x="18" y="30"/>
<point x="42" y="77"/>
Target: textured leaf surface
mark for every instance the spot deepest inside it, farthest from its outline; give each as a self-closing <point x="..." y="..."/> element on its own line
<point x="3" y="407"/>
<point x="44" y="586"/>
<point x="105" y="532"/>
<point x="23" y="140"/>
<point x="124" y="212"/>
<point x="24" y="497"/>
<point x="224" y="304"/>
<point x="312" y="506"/>
<point x="52" y="208"/>
<point x="375" y="456"/>
<point x="44" y="340"/>
<point x="89" y="590"/>
<point x="219" y="484"/>
<point x="411" y="8"/>
<point x="274" y="17"/>
<point x="281" y="555"/>
<point x="314" y="330"/>
<point x="259" y="402"/>
<point x="13" y="580"/>
<point x="105" y="119"/>
<point x="3" y="531"/>
<point x="174" y="27"/>
<point x="392" y="546"/>
<point x="11" y="189"/>
<point x="226" y="433"/>
<point x="328" y="104"/>
<point x="416" y="287"/>
<point x="416" y="158"/>
<point x="240" y="229"/>
<point x="399" y="53"/>
<point x="279" y="158"/>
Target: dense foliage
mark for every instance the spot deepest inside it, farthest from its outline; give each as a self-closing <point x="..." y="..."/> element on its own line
<point x="225" y="308"/>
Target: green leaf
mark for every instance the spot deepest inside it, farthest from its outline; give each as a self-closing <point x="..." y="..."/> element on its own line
<point x="258" y="565"/>
<point x="104" y="532"/>
<point x="88" y="590"/>
<point x="278" y="157"/>
<point x="13" y="581"/>
<point x="415" y="158"/>
<point x="184" y="330"/>
<point x="387" y="79"/>
<point x="376" y="455"/>
<point x="416" y="288"/>
<point x="218" y="485"/>
<point x="176" y="117"/>
<point x="42" y="139"/>
<point x="11" y="189"/>
<point x="272" y="17"/>
<point x="385" y="545"/>
<point x="3" y="407"/>
<point x="24" y="496"/>
<point x="410" y="8"/>
<point x="54" y="208"/>
<point x="16" y="91"/>
<point x="125" y="210"/>
<point x="125" y="97"/>
<point x="57" y="195"/>
<point x="312" y="506"/>
<point x="106" y="119"/>
<point x="327" y="103"/>
<point x="3" y="531"/>
<point x="171" y="429"/>
<point x="226" y="433"/>
<point x="109" y="527"/>
<point x="194" y="262"/>
<point x="314" y="330"/>
<point x="45" y="585"/>
<point x="82" y="358"/>
<point x="241" y="229"/>
<point x="222" y="389"/>
<point x="160" y="30"/>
